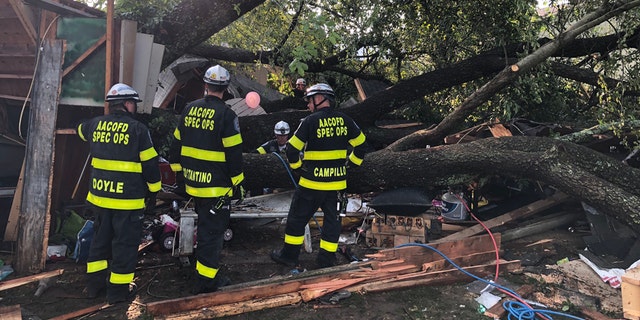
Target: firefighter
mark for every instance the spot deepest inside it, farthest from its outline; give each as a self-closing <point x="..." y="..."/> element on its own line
<point x="300" y="89"/>
<point x="325" y="137"/>
<point x="279" y="144"/>
<point x="124" y="172"/>
<point x="209" y="153"/>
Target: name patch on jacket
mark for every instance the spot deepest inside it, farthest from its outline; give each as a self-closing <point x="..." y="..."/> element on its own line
<point x="330" y="172"/>
<point x="200" y="118"/>
<point x="108" y="185"/>
<point x="111" y="132"/>
<point x="329" y="127"/>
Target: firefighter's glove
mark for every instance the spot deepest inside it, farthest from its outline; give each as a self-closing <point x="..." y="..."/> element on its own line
<point x="150" y="201"/>
<point x="240" y="193"/>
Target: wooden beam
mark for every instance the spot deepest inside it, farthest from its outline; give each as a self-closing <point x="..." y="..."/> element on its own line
<point x="11" y="230"/>
<point x="385" y="269"/>
<point x="108" y="71"/>
<point x="33" y="230"/>
<point x="10" y="97"/>
<point x="27" y="19"/>
<point x="8" y="284"/>
<point x="519" y="213"/>
<point x="16" y="76"/>
<point x="85" y="55"/>
<point x="11" y="312"/>
<point x="59" y="8"/>
<point x="82" y="312"/>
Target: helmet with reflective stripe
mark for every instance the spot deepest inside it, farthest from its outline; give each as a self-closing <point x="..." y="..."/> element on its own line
<point x="281" y="128"/>
<point x="121" y="91"/>
<point x="320" y="88"/>
<point x="217" y="75"/>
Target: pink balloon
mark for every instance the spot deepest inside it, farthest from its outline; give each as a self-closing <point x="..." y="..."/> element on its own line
<point x="252" y="99"/>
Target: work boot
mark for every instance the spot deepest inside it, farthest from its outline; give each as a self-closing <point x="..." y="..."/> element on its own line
<point x="326" y="259"/>
<point x="203" y="285"/>
<point x="117" y="293"/>
<point x="287" y="256"/>
<point x="96" y="284"/>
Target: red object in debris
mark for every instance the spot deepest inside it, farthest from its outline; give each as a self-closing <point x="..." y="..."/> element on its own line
<point x="168" y="177"/>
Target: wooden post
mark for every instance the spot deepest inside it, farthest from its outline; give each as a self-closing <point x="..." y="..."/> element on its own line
<point x="108" y="76"/>
<point x="33" y="230"/>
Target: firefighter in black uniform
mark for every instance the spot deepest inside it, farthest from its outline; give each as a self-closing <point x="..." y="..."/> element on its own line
<point x="325" y="137"/>
<point x="279" y="144"/>
<point x="124" y="172"/>
<point x="209" y="149"/>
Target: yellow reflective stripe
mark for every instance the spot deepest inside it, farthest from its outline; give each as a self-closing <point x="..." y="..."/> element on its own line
<point x="112" y="203"/>
<point x="234" y="140"/>
<point x="121" y="278"/>
<point x="154" y="186"/>
<point x="237" y="179"/>
<point x="355" y="159"/>
<point x="296" y="143"/>
<point x="296" y="164"/>
<point x="95" y="266"/>
<point x="328" y="246"/>
<point x="206" y="271"/>
<point x="325" y="155"/>
<point x="294" y="240"/>
<point x="79" y="130"/>
<point x="202" y="154"/>
<point x="176" y="133"/>
<point x="316" y="185"/>
<point x="358" y="140"/>
<point x="209" y="192"/>
<point x="116" y="165"/>
<point x="148" y="154"/>
<point x="261" y="150"/>
<point x="175" y="167"/>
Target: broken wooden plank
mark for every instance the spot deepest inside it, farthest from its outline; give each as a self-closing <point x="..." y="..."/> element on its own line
<point x="452" y="249"/>
<point x="520" y="213"/>
<point x="497" y="311"/>
<point x="4" y="285"/>
<point x="553" y="221"/>
<point x="498" y="130"/>
<point x="82" y="312"/>
<point x="435" y="278"/>
<point x="231" y="309"/>
<point x="11" y="312"/>
<point x="386" y="270"/>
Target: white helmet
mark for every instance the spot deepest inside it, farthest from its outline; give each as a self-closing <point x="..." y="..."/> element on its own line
<point x="217" y="75"/>
<point x="281" y="128"/>
<point x="301" y="81"/>
<point x="320" y="88"/>
<point x="121" y="91"/>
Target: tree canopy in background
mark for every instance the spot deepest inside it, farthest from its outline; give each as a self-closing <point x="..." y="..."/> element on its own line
<point x="438" y="57"/>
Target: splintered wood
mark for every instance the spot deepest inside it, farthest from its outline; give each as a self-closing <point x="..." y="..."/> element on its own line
<point x="389" y="269"/>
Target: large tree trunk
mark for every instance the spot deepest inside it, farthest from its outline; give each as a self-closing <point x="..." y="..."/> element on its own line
<point x="602" y="182"/>
<point x="194" y="21"/>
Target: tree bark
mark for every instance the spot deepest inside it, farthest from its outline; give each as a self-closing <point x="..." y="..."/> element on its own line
<point x="194" y="21"/>
<point x="602" y="182"/>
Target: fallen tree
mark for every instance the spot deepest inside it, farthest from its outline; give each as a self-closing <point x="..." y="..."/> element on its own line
<point x="600" y="181"/>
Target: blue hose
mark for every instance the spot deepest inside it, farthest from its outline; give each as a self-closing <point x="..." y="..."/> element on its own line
<point x="516" y="310"/>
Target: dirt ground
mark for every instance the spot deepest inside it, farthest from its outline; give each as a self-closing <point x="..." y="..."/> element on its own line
<point x="245" y="258"/>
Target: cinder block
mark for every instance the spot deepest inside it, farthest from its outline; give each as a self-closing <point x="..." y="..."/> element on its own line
<point x="631" y="294"/>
